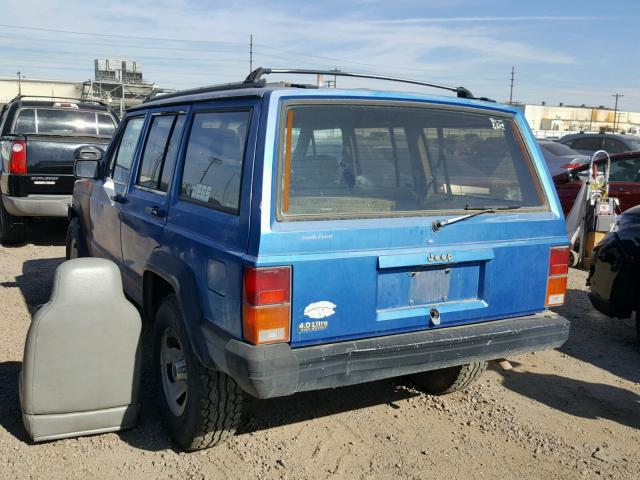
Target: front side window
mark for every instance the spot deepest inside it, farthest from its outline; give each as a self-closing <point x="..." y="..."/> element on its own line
<point x="126" y="150"/>
<point x="213" y="160"/>
<point x="377" y="160"/>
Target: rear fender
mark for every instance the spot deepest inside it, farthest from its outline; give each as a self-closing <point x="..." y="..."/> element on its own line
<point x="181" y="279"/>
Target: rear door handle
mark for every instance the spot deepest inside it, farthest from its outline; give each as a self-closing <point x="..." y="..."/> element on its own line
<point x="118" y="198"/>
<point x="155" y="211"/>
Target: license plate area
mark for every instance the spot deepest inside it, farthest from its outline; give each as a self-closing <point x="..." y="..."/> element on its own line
<point x="428" y="285"/>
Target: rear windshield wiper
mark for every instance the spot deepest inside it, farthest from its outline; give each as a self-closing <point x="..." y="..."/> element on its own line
<point x="438" y="224"/>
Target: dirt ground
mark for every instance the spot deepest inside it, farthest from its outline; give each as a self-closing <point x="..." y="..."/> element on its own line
<point x="570" y="413"/>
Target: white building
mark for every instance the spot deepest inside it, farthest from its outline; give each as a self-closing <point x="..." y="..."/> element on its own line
<point x="555" y="121"/>
<point x="10" y="87"/>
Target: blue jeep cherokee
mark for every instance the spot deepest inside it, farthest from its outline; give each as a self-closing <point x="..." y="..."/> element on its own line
<point x="285" y="238"/>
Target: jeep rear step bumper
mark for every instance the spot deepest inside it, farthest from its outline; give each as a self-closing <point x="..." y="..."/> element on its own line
<point x="279" y="370"/>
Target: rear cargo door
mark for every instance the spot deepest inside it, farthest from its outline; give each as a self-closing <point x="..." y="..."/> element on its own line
<point x="362" y="191"/>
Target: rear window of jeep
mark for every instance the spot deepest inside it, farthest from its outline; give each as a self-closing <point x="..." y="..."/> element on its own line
<point x="379" y="160"/>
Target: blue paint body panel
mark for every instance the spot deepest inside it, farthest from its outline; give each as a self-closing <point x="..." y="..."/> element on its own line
<point x="383" y="275"/>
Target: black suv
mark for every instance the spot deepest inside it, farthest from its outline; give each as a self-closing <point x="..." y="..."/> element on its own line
<point x="40" y="138"/>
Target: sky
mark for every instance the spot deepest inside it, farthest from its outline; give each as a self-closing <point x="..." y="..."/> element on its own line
<point x="575" y="52"/>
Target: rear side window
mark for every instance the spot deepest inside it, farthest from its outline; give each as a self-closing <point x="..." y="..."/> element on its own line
<point x="374" y="160"/>
<point x="160" y="145"/>
<point x="213" y="161"/>
<point x="63" y="122"/>
<point x="614" y="146"/>
<point x="590" y="143"/>
<point x="126" y="150"/>
<point x="106" y="126"/>
<point x="26" y="121"/>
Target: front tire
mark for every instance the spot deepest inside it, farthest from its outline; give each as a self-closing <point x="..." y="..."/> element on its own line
<point x="76" y="247"/>
<point x="200" y="407"/>
<point x="448" y="380"/>
<point x="12" y="229"/>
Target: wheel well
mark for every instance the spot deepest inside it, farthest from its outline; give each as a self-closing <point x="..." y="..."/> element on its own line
<point x="154" y="290"/>
<point x="625" y="292"/>
<point x="71" y="213"/>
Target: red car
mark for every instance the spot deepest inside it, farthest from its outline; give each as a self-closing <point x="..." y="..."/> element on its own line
<point x="624" y="181"/>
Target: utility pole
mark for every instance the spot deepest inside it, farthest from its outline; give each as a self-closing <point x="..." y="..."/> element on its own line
<point x="513" y="72"/>
<point x="250" y="53"/>
<point x="19" y="83"/>
<point x="615" y="110"/>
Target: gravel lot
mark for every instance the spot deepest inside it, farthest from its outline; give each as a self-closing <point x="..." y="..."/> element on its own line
<point x="573" y="413"/>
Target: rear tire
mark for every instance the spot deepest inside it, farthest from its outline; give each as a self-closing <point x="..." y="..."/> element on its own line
<point x="76" y="246"/>
<point x="12" y="229"/>
<point x="448" y="380"/>
<point x="200" y="407"/>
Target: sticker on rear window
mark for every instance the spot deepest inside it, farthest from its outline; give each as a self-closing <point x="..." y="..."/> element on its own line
<point x="201" y="192"/>
<point x="497" y="124"/>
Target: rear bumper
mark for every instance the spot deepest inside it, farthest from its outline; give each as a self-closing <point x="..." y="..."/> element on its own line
<point x="279" y="370"/>
<point x="37" y="205"/>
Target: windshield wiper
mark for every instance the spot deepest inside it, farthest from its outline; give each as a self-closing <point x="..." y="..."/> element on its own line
<point x="438" y="224"/>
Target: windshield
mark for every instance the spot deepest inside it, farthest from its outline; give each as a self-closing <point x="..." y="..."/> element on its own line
<point x="559" y="149"/>
<point x="63" y="122"/>
<point x="375" y="160"/>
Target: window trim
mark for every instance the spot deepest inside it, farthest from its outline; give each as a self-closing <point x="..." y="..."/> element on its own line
<point x="183" y="161"/>
<point x="281" y="216"/>
<point x="136" y="183"/>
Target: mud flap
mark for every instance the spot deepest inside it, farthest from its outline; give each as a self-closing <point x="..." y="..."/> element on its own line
<point x="82" y="358"/>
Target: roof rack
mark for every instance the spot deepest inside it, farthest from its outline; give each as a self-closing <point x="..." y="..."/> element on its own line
<point x="53" y="98"/>
<point x="258" y="73"/>
<point x="210" y="88"/>
<point x="255" y="80"/>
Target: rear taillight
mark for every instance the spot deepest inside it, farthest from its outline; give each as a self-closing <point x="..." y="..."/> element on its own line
<point x="266" y="309"/>
<point x="558" y="274"/>
<point x="18" y="158"/>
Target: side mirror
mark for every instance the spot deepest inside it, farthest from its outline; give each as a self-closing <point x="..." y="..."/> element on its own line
<point x="87" y="162"/>
<point x="87" y="168"/>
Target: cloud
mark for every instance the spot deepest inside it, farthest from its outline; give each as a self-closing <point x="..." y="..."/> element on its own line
<point x="181" y="43"/>
<point x="534" y="18"/>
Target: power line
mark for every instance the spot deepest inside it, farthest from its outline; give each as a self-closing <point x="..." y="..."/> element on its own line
<point x="113" y="35"/>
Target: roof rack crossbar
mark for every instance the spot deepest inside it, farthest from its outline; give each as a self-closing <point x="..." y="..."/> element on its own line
<point x="256" y="76"/>
<point x="53" y="98"/>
